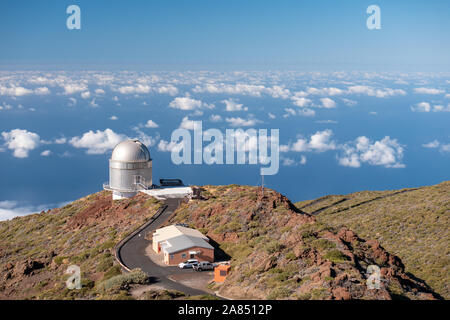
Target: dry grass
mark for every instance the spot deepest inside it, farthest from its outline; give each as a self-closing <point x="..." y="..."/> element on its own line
<point x="413" y="225"/>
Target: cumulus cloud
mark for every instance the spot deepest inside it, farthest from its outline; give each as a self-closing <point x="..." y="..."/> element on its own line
<point x="46" y="153"/>
<point x="97" y="142"/>
<point x="72" y="102"/>
<point x="327" y="103"/>
<point x="427" y="107"/>
<point x="86" y="95"/>
<point x="61" y="140"/>
<point x="187" y="124"/>
<point x="166" y="146"/>
<point x="300" y="101"/>
<point x="21" y="142"/>
<point x="137" y="89"/>
<point x="169" y="89"/>
<point x="239" y="122"/>
<point x="187" y="103"/>
<point x="320" y="142"/>
<point x="143" y="88"/>
<point x="440" y="108"/>
<point x="435" y="144"/>
<point x="374" y="92"/>
<point x="113" y="118"/>
<point x="72" y="88"/>
<point x="244" y="89"/>
<point x="42" y="91"/>
<point x="151" y="124"/>
<point x="215" y="118"/>
<point x="289" y="112"/>
<point x="289" y="162"/>
<point x="325" y="91"/>
<point x="349" y="102"/>
<point x="421" y="107"/>
<point x="18" y="91"/>
<point x="386" y="152"/>
<point x="232" y="105"/>
<point x="432" y="91"/>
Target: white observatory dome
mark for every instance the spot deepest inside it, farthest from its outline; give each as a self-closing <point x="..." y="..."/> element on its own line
<point x="130" y="151"/>
<point x="130" y="169"/>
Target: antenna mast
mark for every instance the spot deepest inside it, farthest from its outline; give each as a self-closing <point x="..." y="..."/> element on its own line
<point x="262" y="184"/>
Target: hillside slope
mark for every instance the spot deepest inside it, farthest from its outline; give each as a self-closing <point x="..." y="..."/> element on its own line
<point x="413" y="224"/>
<point x="278" y="252"/>
<point x="36" y="250"/>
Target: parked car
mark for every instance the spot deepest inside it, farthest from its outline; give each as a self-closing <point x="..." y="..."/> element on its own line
<point x="204" y="265"/>
<point x="188" y="264"/>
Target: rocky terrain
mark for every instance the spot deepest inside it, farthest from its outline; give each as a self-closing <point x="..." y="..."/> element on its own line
<point x="277" y="251"/>
<point x="36" y="250"/>
<point x="410" y="223"/>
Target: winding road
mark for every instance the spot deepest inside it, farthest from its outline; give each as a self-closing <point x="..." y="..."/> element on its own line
<point x="130" y="253"/>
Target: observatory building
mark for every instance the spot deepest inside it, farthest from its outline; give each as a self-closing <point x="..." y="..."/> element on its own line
<point x="130" y="169"/>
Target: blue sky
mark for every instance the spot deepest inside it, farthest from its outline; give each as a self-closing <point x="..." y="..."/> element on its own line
<point x="244" y="35"/>
<point x="357" y="109"/>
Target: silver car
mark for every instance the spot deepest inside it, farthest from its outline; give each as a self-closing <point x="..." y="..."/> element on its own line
<point x="188" y="264"/>
<point x="204" y="265"/>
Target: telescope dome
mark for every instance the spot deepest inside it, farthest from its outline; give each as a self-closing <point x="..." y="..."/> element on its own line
<point x="131" y="151"/>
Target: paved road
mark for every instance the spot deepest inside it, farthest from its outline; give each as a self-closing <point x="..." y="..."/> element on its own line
<point x="132" y="255"/>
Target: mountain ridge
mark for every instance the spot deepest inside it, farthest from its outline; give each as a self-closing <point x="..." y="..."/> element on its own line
<point x="277" y="251"/>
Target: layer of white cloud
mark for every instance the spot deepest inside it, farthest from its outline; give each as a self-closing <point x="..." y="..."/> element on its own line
<point x="320" y="142"/>
<point x="187" y="103"/>
<point x="232" y="105"/>
<point x="97" y="142"/>
<point x="386" y="152"/>
<point x="374" y="92"/>
<point x="10" y="209"/>
<point x="435" y="144"/>
<point x="151" y="124"/>
<point x="46" y="153"/>
<point x="432" y="91"/>
<point x="327" y="103"/>
<point x="427" y="107"/>
<point x="215" y="118"/>
<point x="21" y="142"/>
<point x="240" y="122"/>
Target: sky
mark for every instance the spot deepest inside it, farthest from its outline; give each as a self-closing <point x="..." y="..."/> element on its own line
<point x="356" y="109"/>
<point x="243" y="35"/>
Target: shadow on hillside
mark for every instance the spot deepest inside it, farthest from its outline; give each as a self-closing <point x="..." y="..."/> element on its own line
<point x="425" y="285"/>
<point x="219" y="254"/>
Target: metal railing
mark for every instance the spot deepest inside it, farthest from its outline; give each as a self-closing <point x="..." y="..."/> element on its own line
<point x="133" y="188"/>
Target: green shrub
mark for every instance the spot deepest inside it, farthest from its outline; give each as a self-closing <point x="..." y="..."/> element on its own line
<point x="323" y="244"/>
<point x="279" y="293"/>
<point x="105" y="263"/>
<point x="272" y="247"/>
<point x="123" y="282"/>
<point x="336" y="256"/>
<point x="112" y="272"/>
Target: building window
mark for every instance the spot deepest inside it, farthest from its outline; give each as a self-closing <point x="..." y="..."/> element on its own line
<point x="183" y="255"/>
<point x="172" y="256"/>
<point x="223" y="273"/>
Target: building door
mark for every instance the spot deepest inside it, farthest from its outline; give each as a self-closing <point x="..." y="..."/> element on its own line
<point x="191" y="256"/>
